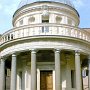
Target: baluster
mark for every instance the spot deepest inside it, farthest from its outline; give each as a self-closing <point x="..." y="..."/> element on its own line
<point x="33" y="31"/>
<point x="23" y="33"/>
<point x="27" y="32"/>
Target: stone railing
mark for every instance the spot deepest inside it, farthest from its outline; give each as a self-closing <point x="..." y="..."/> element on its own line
<point x="44" y="29"/>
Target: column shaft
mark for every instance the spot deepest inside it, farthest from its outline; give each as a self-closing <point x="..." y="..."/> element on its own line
<point x="33" y="71"/>
<point x="58" y="85"/>
<point x="2" y="75"/>
<point x="13" y="73"/>
<point x="78" y="71"/>
<point x="0" y="72"/>
<point x="89" y="72"/>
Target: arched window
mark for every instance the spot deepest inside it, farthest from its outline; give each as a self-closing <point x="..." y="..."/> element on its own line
<point x="31" y="20"/>
<point x="69" y="22"/>
<point x="21" y="22"/>
<point x="58" y="19"/>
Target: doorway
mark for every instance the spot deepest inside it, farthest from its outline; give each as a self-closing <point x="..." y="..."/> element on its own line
<point x="46" y="80"/>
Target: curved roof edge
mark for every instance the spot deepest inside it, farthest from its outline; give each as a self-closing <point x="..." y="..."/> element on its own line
<point x="44" y="1"/>
<point x="25" y="2"/>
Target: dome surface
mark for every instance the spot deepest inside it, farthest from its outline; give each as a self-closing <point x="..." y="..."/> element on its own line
<point x="25" y="2"/>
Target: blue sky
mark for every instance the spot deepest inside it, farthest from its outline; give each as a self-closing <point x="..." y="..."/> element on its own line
<point x="8" y="7"/>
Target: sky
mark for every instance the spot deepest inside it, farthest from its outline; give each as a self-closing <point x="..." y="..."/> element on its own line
<point x="8" y="7"/>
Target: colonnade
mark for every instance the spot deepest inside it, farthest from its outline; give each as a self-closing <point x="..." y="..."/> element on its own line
<point x="58" y="84"/>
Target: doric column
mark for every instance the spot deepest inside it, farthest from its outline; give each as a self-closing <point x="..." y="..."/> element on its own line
<point x="2" y="75"/>
<point x="33" y="71"/>
<point x="13" y="73"/>
<point x="89" y="72"/>
<point x="78" y="71"/>
<point x="58" y="84"/>
<point x="68" y="75"/>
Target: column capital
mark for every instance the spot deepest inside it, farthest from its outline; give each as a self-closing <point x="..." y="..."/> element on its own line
<point x="57" y="50"/>
<point x="77" y="52"/>
<point x="2" y="58"/>
<point x="33" y="51"/>
<point x="14" y="54"/>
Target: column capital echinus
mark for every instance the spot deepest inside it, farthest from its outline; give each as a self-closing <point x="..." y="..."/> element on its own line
<point x="2" y="58"/>
<point x="77" y="52"/>
<point x="34" y="51"/>
<point x="14" y="54"/>
<point x="57" y="50"/>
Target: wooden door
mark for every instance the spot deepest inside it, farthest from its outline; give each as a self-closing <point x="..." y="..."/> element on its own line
<point x="46" y="80"/>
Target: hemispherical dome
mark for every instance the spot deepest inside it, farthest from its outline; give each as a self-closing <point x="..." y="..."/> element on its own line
<point x="25" y="2"/>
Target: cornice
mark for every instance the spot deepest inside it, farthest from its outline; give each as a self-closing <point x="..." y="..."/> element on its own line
<point x="44" y="2"/>
<point x="40" y="38"/>
<point x="66" y="9"/>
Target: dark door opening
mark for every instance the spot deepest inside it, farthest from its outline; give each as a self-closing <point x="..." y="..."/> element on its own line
<point x="46" y="80"/>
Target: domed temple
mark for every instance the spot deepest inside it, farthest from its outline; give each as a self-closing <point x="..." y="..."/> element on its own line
<point x="46" y="49"/>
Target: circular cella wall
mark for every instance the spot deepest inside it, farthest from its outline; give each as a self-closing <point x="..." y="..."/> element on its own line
<point x="49" y="11"/>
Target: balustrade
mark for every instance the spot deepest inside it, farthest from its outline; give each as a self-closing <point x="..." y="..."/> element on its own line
<point x="44" y="29"/>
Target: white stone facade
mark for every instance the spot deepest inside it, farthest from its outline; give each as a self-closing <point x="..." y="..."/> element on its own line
<point x="45" y="43"/>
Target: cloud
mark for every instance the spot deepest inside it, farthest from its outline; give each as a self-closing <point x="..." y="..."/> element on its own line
<point x="78" y="3"/>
